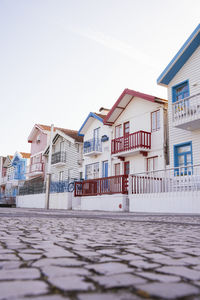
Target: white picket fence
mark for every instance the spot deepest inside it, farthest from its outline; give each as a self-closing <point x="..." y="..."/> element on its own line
<point x="164" y="181"/>
<point x="175" y="190"/>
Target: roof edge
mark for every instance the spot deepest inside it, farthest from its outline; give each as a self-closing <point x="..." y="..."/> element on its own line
<point x="177" y="56"/>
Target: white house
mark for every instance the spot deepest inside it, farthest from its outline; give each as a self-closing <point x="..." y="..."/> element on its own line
<point x="138" y="124"/>
<point x="177" y="189"/>
<point x="182" y="79"/>
<point x="66" y="160"/>
<point x="96" y="147"/>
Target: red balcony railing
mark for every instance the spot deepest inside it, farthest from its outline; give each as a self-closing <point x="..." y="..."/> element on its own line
<point x="140" y="139"/>
<point x="100" y="186"/>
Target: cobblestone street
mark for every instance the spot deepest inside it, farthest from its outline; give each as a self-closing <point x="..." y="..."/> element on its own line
<point x="58" y="255"/>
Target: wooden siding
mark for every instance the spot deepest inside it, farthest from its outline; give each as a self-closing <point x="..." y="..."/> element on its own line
<point x="73" y="157"/>
<point x="190" y="71"/>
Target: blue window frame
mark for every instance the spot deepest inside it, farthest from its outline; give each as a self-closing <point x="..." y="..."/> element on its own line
<point x="183" y="160"/>
<point x="180" y="91"/>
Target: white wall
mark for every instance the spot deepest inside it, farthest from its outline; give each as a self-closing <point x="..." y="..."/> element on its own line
<point x="117" y="202"/>
<point x="60" y="201"/>
<point x="190" y="71"/>
<point x="57" y="201"/>
<point x="177" y="202"/>
<point x="31" y="201"/>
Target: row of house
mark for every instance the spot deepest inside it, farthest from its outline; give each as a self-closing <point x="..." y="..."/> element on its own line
<point x="140" y="135"/>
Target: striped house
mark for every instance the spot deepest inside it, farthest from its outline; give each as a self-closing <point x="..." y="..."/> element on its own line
<point x="66" y="160"/>
<point x="182" y="79"/>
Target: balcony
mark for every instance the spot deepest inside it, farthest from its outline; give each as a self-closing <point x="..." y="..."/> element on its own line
<point x="36" y="169"/>
<point x="186" y="113"/>
<point x="101" y="186"/>
<point x="92" y="147"/>
<point x="58" y="159"/>
<point x="3" y="180"/>
<point x="132" y="143"/>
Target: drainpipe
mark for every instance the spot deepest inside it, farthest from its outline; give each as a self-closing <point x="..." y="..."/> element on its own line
<point x="48" y="178"/>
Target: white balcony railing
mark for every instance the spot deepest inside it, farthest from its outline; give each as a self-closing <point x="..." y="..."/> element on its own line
<point x="179" y="179"/>
<point x="3" y="179"/>
<point x="186" y="112"/>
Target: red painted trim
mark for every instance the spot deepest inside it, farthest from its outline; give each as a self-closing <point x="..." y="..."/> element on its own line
<point x="140" y="139"/>
<point x="101" y="186"/>
<point x="117" y="103"/>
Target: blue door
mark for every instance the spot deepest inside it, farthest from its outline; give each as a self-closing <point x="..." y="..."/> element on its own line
<point x="105" y="169"/>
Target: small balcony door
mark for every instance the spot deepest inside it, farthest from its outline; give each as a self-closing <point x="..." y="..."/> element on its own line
<point x="126" y="168"/>
<point x="126" y="135"/>
<point x="117" y="169"/>
<point x="105" y="169"/>
<point x="96" y="138"/>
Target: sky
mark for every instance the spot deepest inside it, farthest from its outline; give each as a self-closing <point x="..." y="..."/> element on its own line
<point x="61" y="59"/>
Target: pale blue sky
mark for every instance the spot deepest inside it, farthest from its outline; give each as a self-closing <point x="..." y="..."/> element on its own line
<point x="61" y="59"/>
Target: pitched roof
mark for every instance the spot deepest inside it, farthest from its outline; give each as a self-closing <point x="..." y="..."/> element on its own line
<point x="100" y="115"/>
<point x="72" y="133"/>
<point x="124" y="100"/>
<point x="25" y="155"/>
<point x="180" y="58"/>
<point x="91" y="115"/>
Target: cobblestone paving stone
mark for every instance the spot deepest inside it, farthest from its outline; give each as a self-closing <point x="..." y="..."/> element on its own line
<point x="55" y="255"/>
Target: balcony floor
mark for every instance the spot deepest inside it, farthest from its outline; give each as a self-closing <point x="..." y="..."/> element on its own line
<point x="131" y="152"/>
<point x="186" y="124"/>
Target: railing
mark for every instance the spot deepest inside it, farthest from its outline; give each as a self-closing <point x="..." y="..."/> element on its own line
<point x="61" y="186"/>
<point x="92" y="145"/>
<point x="37" y="167"/>
<point x="139" y="139"/>
<point x="7" y="200"/>
<point x="186" y="109"/>
<point x="185" y="178"/>
<point x="3" y="179"/>
<point x="100" y="186"/>
<point x="59" y="157"/>
<point x="36" y="188"/>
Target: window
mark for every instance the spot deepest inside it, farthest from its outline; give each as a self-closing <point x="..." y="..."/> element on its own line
<point x="183" y="158"/>
<point x="155" y="120"/>
<point x="180" y="91"/>
<point x="118" y="131"/>
<point x="61" y="146"/>
<point x="92" y="171"/>
<point x="152" y="163"/>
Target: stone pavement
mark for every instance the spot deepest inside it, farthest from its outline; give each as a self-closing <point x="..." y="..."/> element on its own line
<point x="57" y="255"/>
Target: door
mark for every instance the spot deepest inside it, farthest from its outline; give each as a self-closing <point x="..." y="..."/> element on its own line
<point x="126" y="168"/>
<point x="126" y="136"/>
<point x="105" y="169"/>
<point x="96" y="139"/>
<point x="183" y="159"/>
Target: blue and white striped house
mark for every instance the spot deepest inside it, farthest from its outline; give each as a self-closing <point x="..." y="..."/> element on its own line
<point x="182" y="79"/>
<point x="16" y="173"/>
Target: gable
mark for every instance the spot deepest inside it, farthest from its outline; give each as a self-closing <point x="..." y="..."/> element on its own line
<point x="182" y="56"/>
<point x="88" y="121"/>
